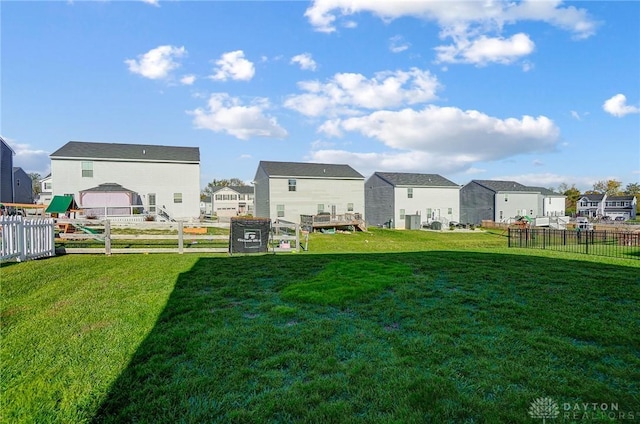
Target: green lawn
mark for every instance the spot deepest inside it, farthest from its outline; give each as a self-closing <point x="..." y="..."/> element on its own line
<point x="387" y="326"/>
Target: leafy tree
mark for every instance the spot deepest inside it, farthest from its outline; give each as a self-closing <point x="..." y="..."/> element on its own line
<point x="35" y="182"/>
<point x="608" y="187"/>
<point x="632" y="189"/>
<point x="232" y="182"/>
<point x="573" y="194"/>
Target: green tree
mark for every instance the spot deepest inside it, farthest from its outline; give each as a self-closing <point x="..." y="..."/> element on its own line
<point x="573" y="194"/>
<point x="35" y="182"/>
<point x="232" y="182"/>
<point x="608" y="187"/>
<point x="632" y="189"/>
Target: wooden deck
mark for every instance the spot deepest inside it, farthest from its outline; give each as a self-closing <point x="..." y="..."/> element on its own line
<point x="346" y="220"/>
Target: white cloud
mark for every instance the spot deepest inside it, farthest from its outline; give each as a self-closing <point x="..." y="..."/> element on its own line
<point x="368" y="163"/>
<point x="484" y="50"/>
<point x="188" y="79"/>
<point x="397" y="44"/>
<point x="617" y="106"/>
<point x="347" y="92"/>
<point x="29" y="158"/>
<point x="550" y="180"/>
<point x="152" y="2"/>
<point x="233" y="65"/>
<point x="474" y="26"/>
<point x="224" y="113"/>
<point x="157" y="63"/>
<point x="305" y="61"/>
<point x="467" y="135"/>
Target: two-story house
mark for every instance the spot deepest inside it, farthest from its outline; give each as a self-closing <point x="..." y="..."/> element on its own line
<point x="232" y="201"/>
<point x="287" y="190"/>
<point x="163" y="180"/>
<point x="601" y="205"/>
<point x="390" y="196"/>
<point x="6" y="172"/>
<point x="501" y="201"/>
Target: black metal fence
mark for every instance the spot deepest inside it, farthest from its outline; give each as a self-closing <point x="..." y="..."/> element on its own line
<point x="616" y="244"/>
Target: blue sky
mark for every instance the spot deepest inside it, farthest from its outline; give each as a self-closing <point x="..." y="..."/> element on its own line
<point x="540" y="92"/>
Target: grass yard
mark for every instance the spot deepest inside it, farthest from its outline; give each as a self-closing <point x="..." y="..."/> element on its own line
<point x="380" y="327"/>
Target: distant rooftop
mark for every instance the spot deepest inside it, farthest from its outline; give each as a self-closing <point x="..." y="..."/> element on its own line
<point x="143" y="152"/>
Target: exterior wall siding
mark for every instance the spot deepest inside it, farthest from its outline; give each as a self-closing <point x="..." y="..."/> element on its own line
<point x="438" y="199"/>
<point x="162" y="179"/>
<point x="553" y="206"/>
<point x="378" y="200"/>
<point x="6" y="173"/>
<point x="22" y="187"/>
<point x="511" y="204"/>
<point x="261" y="196"/>
<point x="313" y="191"/>
<point x="476" y="204"/>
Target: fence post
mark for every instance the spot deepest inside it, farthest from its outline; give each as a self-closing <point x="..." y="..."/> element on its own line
<point x="107" y="237"/>
<point x="21" y="233"/>
<point x="180" y="237"/>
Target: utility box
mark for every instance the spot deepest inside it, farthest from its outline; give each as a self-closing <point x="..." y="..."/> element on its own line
<point x="412" y="222"/>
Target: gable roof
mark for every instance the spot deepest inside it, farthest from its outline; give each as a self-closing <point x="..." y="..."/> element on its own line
<point x="413" y="179"/>
<point x="622" y="197"/>
<point x="237" y="189"/>
<point x="303" y="169"/>
<point x="141" y="152"/>
<point x="497" y="185"/>
<point x="592" y="197"/>
<point x="545" y="191"/>
<point x="107" y="187"/>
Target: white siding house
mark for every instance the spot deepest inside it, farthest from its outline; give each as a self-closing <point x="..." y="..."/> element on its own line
<point x="46" y="190"/>
<point x="165" y="178"/>
<point x="286" y="190"/>
<point x="232" y="201"/>
<point x="391" y="196"/>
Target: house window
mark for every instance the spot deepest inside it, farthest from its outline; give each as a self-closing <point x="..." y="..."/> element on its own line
<point x="506" y="198"/>
<point x="429" y="211"/>
<point x="349" y="207"/>
<point x="280" y="211"/>
<point x="401" y="213"/>
<point x="152" y="202"/>
<point x="18" y="181"/>
<point x="450" y="211"/>
<point x="177" y="197"/>
<point x="241" y="197"/>
<point x="409" y="193"/>
<point x="531" y="212"/>
<point x="292" y="185"/>
<point x="218" y="196"/>
<point x="320" y="208"/>
<point x="87" y="169"/>
<point x="500" y="214"/>
<point x="47" y="186"/>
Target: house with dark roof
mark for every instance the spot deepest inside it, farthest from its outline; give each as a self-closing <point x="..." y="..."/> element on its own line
<point x="164" y="180"/>
<point x="601" y="205"/>
<point x="22" y="186"/>
<point x="6" y="172"/>
<point x="231" y="201"/>
<point x="391" y="196"/>
<point x="502" y="201"/>
<point x="287" y="190"/>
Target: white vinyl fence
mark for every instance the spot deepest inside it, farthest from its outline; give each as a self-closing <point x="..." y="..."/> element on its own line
<point x="26" y="238"/>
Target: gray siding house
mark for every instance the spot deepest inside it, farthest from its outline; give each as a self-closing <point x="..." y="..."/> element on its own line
<point x="286" y="190"/>
<point x="501" y="201"/>
<point x="22" y="186"/>
<point x="391" y="196"/>
<point x="6" y="172"/>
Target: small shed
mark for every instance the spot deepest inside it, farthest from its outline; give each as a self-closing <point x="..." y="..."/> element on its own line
<point x="412" y="222"/>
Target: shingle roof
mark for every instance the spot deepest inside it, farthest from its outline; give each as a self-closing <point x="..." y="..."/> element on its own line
<point x="496" y="185"/>
<point x="593" y="197"/>
<point x="630" y="198"/>
<point x="412" y="179"/>
<point x="544" y="191"/>
<point x="300" y="169"/>
<point x="238" y="189"/>
<point x="145" y="152"/>
<point x="110" y="187"/>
